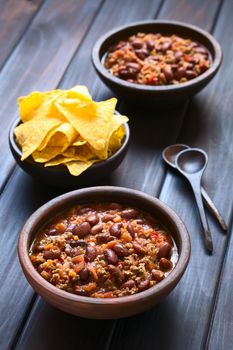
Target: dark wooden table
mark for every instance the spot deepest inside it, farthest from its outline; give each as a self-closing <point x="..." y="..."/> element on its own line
<point x="46" y="44"/>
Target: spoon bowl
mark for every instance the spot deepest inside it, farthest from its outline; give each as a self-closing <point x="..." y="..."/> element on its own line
<point x="169" y="153"/>
<point x="192" y="161"/>
<point x="169" y="156"/>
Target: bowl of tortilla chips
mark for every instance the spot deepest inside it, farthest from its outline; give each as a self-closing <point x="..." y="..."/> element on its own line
<point x="66" y="139"/>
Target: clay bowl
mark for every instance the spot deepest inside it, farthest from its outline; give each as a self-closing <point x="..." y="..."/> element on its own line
<point x="59" y="175"/>
<point x="163" y="95"/>
<point x="112" y="307"/>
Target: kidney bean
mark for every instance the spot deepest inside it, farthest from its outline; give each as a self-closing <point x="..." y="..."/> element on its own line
<point x="82" y="229"/>
<point x="129" y="213"/>
<point x="91" y="253"/>
<point x="137" y="44"/>
<point x="84" y="274"/>
<point x="138" y="248"/>
<point x="93" y="219"/>
<point x="51" y="232"/>
<point x="178" y="55"/>
<point x="133" y="66"/>
<point x="116" y="272"/>
<point x="157" y="275"/>
<point x="75" y="252"/>
<point x="142" y="53"/>
<point x="80" y="291"/>
<point x="68" y="249"/>
<point x="130" y="229"/>
<point x="120" y="250"/>
<point x="79" y="242"/>
<point x="201" y="50"/>
<point x="164" y="251"/>
<point x="189" y="66"/>
<point x="84" y="210"/>
<point x="150" y="45"/>
<point x="104" y="238"/>
<point x="115" y="229"/>
<point x="108" y="217"/>
<point x="143" y="285"/>
<point x="158" y="47"/>
<point x="166" y="46"/>
<point x="180" y="73"/>
<point x="118" y="46"/>
<point x="154" y="58"/>
<point x="165" y="264"/>
<point x="140" y="221"/>
<point x="126" y="73"/>
<point x="110" y="256"/>
<point x="168" y="73"/>
<point x="70" y="227"/>
<point x="52" y="254"/>
<point x="190" y="74"/>
<point x="115" y="206"/>
<point x="96" y="229"/>
<point x="128" y="284"/>
<point x="174" y="67"/>
<point x="38" y="248"/>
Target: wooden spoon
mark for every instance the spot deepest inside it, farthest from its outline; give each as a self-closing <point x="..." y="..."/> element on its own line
<point x="192" y="163"/>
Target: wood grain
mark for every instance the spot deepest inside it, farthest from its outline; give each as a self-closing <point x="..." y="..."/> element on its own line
<point x="15" y="17"/>
<point x="65" y="331"/>
<point x="30" y="191"/>
<point x="40" y="59"/>
<point x="182" y="321"/>
<point x="190" y="305"/>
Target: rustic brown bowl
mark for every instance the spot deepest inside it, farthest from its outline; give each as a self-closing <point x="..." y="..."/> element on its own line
<point x="112" y="307"/>
<point x="59" y="175"/>
<point x="163" y="95"/>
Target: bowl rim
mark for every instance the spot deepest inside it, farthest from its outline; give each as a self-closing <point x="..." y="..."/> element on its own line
<point x="94" y="167"/>
<point x="64" y="200"/>
<point x="216" y="61"/>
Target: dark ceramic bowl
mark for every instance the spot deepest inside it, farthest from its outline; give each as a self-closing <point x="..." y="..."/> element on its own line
<point x="59" y="175"/>
<point x="163" y="95"/>
<point x="97" y="307"/>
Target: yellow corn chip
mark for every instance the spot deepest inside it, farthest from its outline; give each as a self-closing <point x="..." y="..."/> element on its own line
<point x="68" y="127"/>
<point x="30" y="134"/>
<point x="60" y="139"/>
<point x="78" y="167"/>
<point x="93" y="127"/>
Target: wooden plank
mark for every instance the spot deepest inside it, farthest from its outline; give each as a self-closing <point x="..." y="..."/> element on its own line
<point x="182" y="320"/>
<point x="193" y="12"/>
<point x="14" y="18"/>
<point x="27" y="186"/>
<point x="220" y="335"/>
<point x="40" y="60"/>
<point x="56" y="40"/>
<point x="65" y="331"/>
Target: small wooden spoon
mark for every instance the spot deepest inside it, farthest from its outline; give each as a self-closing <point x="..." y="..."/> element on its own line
<point x="169" y="155"/>
<point x="192" y="163"/>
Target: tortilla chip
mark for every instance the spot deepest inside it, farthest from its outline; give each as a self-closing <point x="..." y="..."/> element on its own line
<point x="68" y="127"/>
<point x="59" y="140"/>
<point x="30" y="134"/>
<point x="39" y="105"/>
<point x="93" y="127"/>
<point x="78" y="167"/>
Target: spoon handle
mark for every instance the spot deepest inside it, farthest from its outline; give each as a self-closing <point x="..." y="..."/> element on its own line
<point x="211" y="206"/>
<point x="207" y="235"/>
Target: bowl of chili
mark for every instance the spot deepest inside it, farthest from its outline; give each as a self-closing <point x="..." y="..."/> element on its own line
<point x="157" y="62"/>
<point x="104" y="252"/>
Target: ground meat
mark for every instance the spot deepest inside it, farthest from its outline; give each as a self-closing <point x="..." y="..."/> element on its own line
<point x="155" y="59"/>
<point x="128" y="252"/>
